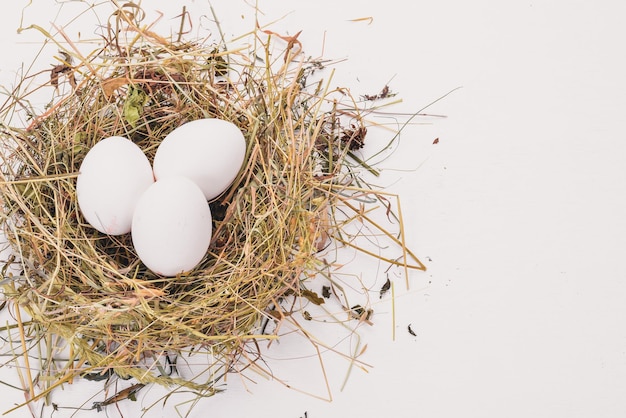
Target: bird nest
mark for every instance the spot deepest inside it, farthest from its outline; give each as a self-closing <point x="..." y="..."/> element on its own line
<point x="297" y="197"/>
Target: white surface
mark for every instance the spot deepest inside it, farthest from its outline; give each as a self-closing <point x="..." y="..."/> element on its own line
<point x="520" y="207"/>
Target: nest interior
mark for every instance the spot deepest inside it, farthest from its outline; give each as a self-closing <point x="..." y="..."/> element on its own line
<point x="269" y="226"/>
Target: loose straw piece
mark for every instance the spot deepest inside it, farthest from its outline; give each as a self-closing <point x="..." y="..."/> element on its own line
<point x="25" y="352"/>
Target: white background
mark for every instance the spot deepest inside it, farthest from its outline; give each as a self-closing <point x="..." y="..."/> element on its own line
<point x="520" y="207"/>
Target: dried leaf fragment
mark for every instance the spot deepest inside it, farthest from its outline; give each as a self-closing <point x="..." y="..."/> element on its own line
<point x="312" y="297"/>
<point x="384" y="94"/>
<point x="360" y="313"/>
<point x="133" y="106"/>
<point x="60" y="69"/>
<point x="110" y="85"/>
<point x="385" y="288"/>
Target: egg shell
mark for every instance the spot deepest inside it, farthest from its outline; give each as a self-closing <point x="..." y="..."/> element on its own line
<point x="172" y="226"/>
<point x="114" y="173"/>
<point x="208" y="151"/>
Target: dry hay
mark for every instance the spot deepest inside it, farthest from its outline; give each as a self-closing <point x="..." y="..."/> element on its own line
<point x="298" y="192"/>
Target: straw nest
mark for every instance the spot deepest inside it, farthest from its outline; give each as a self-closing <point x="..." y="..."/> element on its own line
<point x="292" y="200"/>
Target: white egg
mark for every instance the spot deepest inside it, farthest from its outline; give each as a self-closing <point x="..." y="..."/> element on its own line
<point x="114" y="173"/>
<point x="172" y="226"/>
<point x="208" y="151"/>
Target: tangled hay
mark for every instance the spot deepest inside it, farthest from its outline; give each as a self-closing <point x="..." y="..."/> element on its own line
<point x="297" y="194"/>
